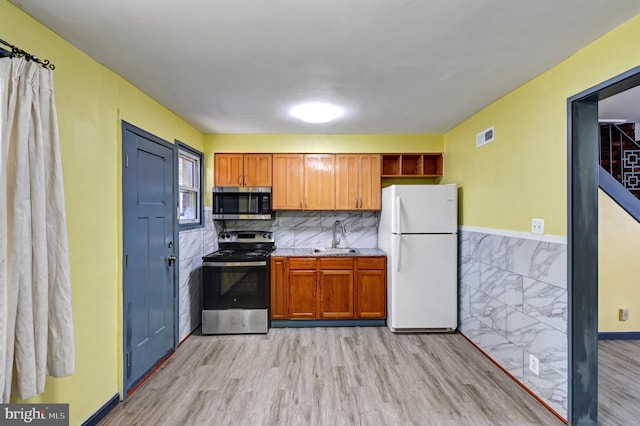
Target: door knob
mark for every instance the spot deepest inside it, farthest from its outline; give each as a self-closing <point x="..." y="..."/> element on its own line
<point x="172" y="259"/>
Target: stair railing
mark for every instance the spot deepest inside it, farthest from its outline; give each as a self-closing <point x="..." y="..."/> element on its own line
<point x="623" y="187"/>
<point x="629" y="161"/>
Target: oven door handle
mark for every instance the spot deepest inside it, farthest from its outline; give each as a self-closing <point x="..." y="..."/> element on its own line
<point x="258" y="263"/>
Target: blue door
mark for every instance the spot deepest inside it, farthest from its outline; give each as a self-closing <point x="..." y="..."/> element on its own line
<point x="149" y="231"/>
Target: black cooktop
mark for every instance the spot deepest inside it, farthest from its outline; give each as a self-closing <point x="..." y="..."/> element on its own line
<point x="242" y="246"/>
<point x="229" y="255"/>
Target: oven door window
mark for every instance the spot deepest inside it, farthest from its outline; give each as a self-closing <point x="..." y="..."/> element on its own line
<point x="235" y="287"/>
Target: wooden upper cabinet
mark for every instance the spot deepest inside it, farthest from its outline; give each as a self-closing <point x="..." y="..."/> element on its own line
<point x="358" y="182"/>
<point x="370" y="180"/>
<point x="288" y="182"/>
<point x="243" y="170"/>
<point x="319" y="182"/>
<point x="229" y="169"/>
<point x="428" y="164"/>
<point x="347" y="194"/>
<point x="257" y="170"/>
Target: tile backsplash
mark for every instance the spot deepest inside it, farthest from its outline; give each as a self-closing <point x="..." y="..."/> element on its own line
<point x="194" y="243"/>
<point x="304" y="229"/>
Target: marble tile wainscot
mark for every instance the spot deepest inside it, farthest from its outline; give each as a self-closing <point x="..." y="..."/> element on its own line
<point x="194" y="243"/>
<point x="513" y="304"/>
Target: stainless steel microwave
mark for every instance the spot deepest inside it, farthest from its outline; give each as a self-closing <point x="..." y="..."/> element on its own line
<point x="242" y="202"/>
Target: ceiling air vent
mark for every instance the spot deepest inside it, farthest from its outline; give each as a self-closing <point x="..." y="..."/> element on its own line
<point x="485" y="137"/>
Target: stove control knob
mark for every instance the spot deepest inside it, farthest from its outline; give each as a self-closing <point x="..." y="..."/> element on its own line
<point x="265" y="236"/>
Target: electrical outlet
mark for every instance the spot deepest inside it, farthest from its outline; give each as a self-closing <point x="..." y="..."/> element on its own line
<point x="537" y="226"/>
<point x="534" y="365"/>
<point x="623" y="314"/>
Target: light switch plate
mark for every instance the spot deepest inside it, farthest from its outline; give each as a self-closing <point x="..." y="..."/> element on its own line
<point x="623" y="314"/>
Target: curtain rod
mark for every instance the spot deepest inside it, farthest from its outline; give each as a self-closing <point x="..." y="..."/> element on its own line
<point x="16" y="51"/>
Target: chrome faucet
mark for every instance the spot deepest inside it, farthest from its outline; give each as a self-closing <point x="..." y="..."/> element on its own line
<point x="336" y="238"/>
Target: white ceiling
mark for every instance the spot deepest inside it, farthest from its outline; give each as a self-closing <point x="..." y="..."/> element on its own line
<point x="397" y="66"/>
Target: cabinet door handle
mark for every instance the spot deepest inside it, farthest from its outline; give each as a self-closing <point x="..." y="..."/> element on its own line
<point x="245" y="180"/>
<point x="305" y="203"/>
<point x="240" y="180"/>
<point x="300" y="202"/>
<point x="356" y="202"/>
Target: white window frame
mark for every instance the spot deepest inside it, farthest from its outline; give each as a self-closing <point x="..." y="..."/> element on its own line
<point x="190" y="154"/>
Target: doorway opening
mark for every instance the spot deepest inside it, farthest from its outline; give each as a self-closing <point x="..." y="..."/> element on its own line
<point x="150" y="237"/>
<point x="582" y="244"/>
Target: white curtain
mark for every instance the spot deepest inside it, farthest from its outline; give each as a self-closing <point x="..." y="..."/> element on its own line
<point x="36" y="321"/>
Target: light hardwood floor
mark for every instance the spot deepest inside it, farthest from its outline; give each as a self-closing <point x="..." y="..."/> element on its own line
<point x="618" y="382"/>
<point x="330" y="376"/>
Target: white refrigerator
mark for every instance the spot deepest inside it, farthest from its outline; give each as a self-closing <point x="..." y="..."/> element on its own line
<point x="419" y="232"/>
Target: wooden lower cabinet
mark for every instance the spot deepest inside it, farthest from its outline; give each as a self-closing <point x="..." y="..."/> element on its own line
<point x="302" y="287"/>
<point x="302" y="294"/>
<point x="371" y="288"/>
<point x="335" y="287"/>
<point x="279" y="305"/>
<point x="328" y="288"/>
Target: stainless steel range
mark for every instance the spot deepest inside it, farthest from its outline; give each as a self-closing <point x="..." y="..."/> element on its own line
<point x="235" y="287"/>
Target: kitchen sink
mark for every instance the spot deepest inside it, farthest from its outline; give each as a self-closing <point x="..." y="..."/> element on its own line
<point x="335" y="250"/>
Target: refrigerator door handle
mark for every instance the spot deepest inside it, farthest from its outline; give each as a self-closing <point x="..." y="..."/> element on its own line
<point x="397" y="209"/>
<point x="396" y="249"/>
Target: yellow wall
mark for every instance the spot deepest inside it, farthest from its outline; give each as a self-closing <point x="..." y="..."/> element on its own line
<point x="318" y="144"/>
<point x="520" y="175"/>
<point x="523" y="173"/>
<point x="91" y="100"/>
<point x="618" y="271"/>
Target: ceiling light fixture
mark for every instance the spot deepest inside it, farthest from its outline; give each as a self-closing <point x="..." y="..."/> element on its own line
<point x="316" y="112"/>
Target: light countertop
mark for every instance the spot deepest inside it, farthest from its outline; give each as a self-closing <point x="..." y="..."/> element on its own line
<point x="308" y="252"/>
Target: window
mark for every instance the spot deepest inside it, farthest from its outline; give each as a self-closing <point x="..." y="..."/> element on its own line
<point x="190" y="186"/>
